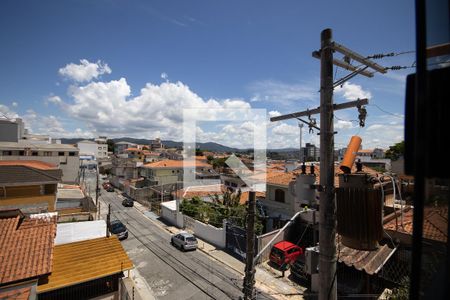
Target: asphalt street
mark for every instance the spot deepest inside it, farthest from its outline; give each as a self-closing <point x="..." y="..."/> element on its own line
<point x="170" y="273"/>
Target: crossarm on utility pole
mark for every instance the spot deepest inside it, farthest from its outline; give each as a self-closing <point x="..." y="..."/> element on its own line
<point x="344" y="65"/>
<point x="359" y="58"/>
<point x="314" y="111"/>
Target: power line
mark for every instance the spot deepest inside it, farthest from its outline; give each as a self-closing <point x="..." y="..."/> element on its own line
<point x="385" y="111"/>
<point x="391" y="54"/>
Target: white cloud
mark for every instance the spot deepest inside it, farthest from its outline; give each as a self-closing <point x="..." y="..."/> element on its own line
<point x="14" y="104"/>
<point x="283" y="93"/>
<point x="164" y="76"/>
<point x="109" y="108"/>
<point x="54" y="99"/>
<point x="352" y="91"/>
<point x="85" y="71"/>
<point x="6" y="112"/>
<point x="342" y="124"/>
<point x="274" y="113"/>
<point x="286" y="130"/>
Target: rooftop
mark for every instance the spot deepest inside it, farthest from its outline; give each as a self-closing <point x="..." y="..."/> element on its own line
<point x="169" y="163"/>
<point x="26" y="245"/>
<point x="36" y="147"/>
<point x="17" y="175"/>
<point x="84" y="261"/>
<point x="36" y="164"/>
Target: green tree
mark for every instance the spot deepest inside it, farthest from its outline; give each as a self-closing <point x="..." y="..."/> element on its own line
<point x="396" y="151"/>
<point x="110" y="145"/>
<point x="198" y="152"/>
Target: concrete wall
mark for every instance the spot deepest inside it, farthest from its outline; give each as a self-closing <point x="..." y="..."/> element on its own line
<point x="210" y="234"/>
<point x="275" y="208"/>
<point x="8" y="131"/>
<point x="31" y="204"/>
<point x="263" y="240"/>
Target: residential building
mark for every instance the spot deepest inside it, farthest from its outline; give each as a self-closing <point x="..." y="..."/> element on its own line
<point x="156" y="145"/>
<point x="14" y="131"/>
<point x="311" y="152"/>
<point x="123" y="169"/>
<point x="373" y="158"/>
<point x="120" y="147"/>
<point x="65" y="157"/>
<point x="26" y="252"/>
<point x="28" y="185"/>
<point x="171" y="171"/>
<point x="97" y="148"/>
<point x="82" y="265"/>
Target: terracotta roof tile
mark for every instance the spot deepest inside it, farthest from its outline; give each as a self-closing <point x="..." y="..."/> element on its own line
<point x="16" y="294"/>
<point x="36" y="164"/>
<point x="434" y="225"/>
<point x="26" y="247"/>
<point x="169" y="163"/>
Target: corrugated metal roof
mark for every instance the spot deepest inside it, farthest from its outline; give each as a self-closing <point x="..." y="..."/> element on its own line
<point x="79" y="231"/>
<point x="85" y="261"/>
<point x="369" y="261"/>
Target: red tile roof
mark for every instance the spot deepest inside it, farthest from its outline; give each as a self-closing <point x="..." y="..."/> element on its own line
<point x="16" y="294"/>
<point x="169" y="163"/>
<point x="26" y="247"/>
<point x="36" y="164"/>
<point x="434" y="225"/>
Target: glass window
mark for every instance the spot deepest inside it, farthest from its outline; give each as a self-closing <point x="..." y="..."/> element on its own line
<point x="279" y="195"/>
<point x="61" y="153"/>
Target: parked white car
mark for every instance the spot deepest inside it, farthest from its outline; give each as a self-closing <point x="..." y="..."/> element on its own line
<point x="184" y="241"/>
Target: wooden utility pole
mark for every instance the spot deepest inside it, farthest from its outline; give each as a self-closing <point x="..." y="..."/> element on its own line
<point x="96" y="188"/>
<point x="108" y="220"/>
<point x="327" y="205"/>
<point x="327" y="226"/>
<point x="249" y="279"/>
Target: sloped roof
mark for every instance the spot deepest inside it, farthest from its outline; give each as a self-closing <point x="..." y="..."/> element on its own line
<point x="16" y="293"/>
<point x="26" y="246"/>
<point x="14" y="175"/>
<point x="170" y="163"/>
<point x="35" y="164"/>
<point x="84" y="261"/>
<point x="435" y="222"/>
<point x="368" y="261"/>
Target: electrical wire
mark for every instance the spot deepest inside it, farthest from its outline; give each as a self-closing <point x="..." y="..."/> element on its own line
<point x="382" y="55"/>
<point x="387" y="112"/>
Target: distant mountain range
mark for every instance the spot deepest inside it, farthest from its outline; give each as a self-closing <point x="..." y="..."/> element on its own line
<point x="209" y="146"/>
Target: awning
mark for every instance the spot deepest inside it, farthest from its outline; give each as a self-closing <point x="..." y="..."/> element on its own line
<point x="369" y="261"/>
<point x="84" y="261"/>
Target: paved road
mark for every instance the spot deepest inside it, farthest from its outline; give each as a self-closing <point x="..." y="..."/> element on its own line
<point x="170" y="273"/>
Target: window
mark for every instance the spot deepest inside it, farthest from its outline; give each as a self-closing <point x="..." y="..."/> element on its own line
<point x="71" y="153"/>
<point x="7" y="152"/>
<point x="34" y="153"/>
<point x="173" y="171"/>
<point x="47" y="153"/>
<point x="21" y="153"/>
<point x="279" y="195"/>
<point x="61" y="153"/>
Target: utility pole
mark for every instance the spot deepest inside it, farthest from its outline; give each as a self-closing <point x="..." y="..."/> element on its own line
<point x="327" y="212"/>
<point x="108" y="220"/>
<point x="300" y="125"/>
<point x="327" y="223"/>
<point x="96" y="188"/>
<point x="249" y="279"/>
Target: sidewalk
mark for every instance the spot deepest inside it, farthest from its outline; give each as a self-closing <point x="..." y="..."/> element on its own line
<point x="267" y="281"/>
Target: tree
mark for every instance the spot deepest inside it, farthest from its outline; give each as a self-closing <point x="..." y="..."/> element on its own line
<point x="110" y="145"/>
<point x="198" y="152"/>
<point x="396" y="151"/>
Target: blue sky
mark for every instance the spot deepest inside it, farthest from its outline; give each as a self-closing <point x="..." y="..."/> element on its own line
<point x="128" y="68"/>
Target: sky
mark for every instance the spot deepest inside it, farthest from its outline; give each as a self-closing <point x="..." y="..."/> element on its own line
<point x="129" y="68"/>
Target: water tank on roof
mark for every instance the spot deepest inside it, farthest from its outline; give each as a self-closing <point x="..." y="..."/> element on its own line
<point x="359" y="212"/>
<point x="302" y="191"/>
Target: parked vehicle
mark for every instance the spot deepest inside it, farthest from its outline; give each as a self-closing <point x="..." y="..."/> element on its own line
<point x="127" y="202"/>
<point x="284" y="253"/>
<point x="184" y="241"/>
<point x="118" y="228"/>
